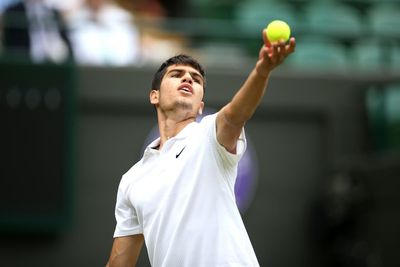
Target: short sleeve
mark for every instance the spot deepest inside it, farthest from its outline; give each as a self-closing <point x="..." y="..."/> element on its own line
<point x="125" y="214"/>
<point x="227" y="157"/>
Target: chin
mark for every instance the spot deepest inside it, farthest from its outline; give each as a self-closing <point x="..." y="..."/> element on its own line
<point x="185" y="105"/>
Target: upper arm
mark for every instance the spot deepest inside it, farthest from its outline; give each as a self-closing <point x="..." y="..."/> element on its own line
<point x="125" y="251"/>
<point x="228" y="131"/>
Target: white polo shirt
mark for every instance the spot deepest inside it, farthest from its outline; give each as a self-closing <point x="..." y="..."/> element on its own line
<point x="182" y="200"/>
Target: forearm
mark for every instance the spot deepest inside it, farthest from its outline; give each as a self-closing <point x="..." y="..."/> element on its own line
<point x="249" y="96"/>
<point x="119" y="261"/>
<point x="234" y="115"/>
<point x="245" y="102"/>
<point x="241" y="108"/>
<point x="125" y="251"/>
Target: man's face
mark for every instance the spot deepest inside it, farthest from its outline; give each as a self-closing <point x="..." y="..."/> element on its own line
<point x="181" y="88"/>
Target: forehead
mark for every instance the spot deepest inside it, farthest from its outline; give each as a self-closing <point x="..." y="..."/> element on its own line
<point x="180" y="67"/>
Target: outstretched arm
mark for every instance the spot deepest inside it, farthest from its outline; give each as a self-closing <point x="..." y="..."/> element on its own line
<point x="233" y="116"/>
<point x="125" y="251"/>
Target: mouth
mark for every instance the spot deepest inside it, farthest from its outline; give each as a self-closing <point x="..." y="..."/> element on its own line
<point x="186" y="88"/>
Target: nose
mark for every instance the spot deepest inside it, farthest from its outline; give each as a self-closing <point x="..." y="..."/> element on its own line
<point x="187" y="78"/>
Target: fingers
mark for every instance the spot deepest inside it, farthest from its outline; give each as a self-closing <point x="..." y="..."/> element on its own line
<point x="291" y="46"/>
<point x="265" y="39"/>
<point x="280" y="50"/>
<point x="273" y="54"/>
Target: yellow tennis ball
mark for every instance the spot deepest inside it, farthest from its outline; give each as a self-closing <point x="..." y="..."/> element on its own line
<point x="278" y="30"/>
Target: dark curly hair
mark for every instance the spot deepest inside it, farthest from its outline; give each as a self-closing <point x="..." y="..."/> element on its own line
<point x="176" y="60"/>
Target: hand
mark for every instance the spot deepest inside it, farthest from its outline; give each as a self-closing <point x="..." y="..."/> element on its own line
<point x="272" y="55"/>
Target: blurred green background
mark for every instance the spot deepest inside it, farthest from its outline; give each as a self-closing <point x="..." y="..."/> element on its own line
<point x="326" y="135"/>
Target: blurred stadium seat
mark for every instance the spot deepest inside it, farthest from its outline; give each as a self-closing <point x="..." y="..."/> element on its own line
<point x="383" y="109"/>
<point x="384" y="20"/>
<point x="395" y="58"/>
<point x="369" y="55"/>
<point x="319" y="54"/>
<point x="253" y="16"/>
<point x="212" y="9"/>
<point x="327" y="17"/>
<point x="393" y="103"/>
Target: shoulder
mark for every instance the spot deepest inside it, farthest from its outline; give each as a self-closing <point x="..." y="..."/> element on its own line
<point x="208" y="118"/>
<point x="200" y="129"/>
<point x="208" y="121"/>
<point x="129" y="176"/>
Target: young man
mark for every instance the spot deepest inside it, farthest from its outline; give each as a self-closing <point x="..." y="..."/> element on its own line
<point x="179" y="198"/>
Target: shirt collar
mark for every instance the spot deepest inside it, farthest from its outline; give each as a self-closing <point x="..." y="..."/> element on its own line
<point x="151" y="149"/>
<point x="185" y="132"/>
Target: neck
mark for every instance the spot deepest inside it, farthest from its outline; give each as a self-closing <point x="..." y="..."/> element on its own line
<point x="170" y="127"/>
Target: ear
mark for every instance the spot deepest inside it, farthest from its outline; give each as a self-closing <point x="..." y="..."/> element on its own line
<point x="201" y="108"/>
<point x="154" y="94"/>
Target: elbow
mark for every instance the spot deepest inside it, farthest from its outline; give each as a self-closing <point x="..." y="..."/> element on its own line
<point x="235" y="118"/>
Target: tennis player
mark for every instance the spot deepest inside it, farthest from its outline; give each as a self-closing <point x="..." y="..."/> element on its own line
<point x="179" y="198"/>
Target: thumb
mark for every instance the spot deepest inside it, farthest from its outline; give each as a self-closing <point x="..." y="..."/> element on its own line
<point x="267" y="43"/>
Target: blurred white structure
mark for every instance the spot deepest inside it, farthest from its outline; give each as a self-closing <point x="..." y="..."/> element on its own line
<point x="35" y="27"/>
<point x="102" y="33"/>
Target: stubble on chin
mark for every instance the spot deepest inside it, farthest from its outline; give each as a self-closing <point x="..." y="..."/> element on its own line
<point x="183" y="105"/>
<point x="178" y="107"/>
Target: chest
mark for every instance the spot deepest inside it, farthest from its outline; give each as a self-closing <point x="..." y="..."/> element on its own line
<point x="168" y="182"/>
<point x="165" y="179"/>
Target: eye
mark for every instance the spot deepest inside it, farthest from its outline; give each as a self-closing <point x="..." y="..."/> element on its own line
<point x="196" y="79"/>
<point x="175" y="74"/>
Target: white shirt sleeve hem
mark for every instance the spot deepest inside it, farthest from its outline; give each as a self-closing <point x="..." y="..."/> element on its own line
<point x="120" y="233"/>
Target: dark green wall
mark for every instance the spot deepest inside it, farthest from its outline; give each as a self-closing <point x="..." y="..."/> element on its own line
<point x="307" y="128"/>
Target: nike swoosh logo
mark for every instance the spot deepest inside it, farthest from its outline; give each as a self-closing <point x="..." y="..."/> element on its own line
<point x="177" y="155"/>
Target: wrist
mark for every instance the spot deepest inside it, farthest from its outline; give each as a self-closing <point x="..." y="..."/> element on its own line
<point x="261" y="72"/>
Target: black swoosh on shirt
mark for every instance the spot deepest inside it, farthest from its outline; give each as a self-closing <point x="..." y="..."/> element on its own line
<point x="177" y="155"/>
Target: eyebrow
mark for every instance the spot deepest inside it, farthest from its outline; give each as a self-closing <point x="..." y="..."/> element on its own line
<point x="192" y="73"/>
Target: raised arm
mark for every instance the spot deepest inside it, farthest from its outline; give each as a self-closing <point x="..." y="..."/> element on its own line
<point x="233" y="116"/>
<point x="125" y="251"/>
